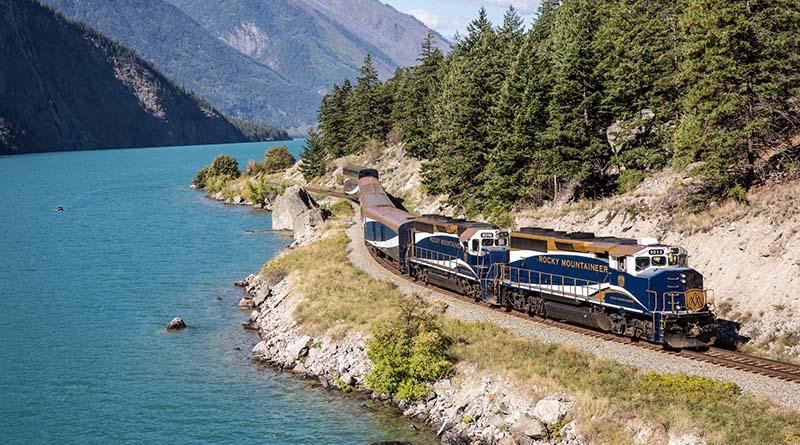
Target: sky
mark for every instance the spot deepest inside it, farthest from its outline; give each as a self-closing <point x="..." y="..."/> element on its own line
<point x="449" y="16"/>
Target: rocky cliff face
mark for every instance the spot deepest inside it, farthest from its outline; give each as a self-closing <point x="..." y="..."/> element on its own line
<point x="66" y="87"/>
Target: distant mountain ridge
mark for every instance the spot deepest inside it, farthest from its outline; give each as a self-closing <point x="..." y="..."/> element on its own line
<point x="64" y="87"/>
<point x="265" y="60"/>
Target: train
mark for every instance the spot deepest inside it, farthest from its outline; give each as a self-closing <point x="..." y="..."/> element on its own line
<point x="636" y="288"/>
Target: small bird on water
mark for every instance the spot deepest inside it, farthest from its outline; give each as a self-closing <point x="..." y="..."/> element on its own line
<point x="60" y="209"/>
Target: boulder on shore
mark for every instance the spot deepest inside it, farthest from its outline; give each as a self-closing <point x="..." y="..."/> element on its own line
<point x="297" y="211"/>
<point x="176" y="324"/>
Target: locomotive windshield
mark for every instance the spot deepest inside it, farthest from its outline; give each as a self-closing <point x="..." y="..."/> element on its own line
<point x="661" y="257"/>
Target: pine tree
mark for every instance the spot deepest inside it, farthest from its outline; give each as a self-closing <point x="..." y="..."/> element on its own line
<point x="574" y="143"/>
<point x="462" y="125"/>
<point x="313" y="156"/>
<point x="368" y="108"/>
<point x="639" y="42"/>
<point x="740" y="71"/>
<point x="333" y="119"/>
<point x="414" y="111"/>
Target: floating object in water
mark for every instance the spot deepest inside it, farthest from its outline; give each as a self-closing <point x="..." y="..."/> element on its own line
<point x="60" y="209"/>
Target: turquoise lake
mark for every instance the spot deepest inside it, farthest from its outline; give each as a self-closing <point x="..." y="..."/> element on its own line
<point x="86" y="295"/>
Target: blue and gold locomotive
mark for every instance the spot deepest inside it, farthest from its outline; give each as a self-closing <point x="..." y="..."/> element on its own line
<point x="638" y="289"/>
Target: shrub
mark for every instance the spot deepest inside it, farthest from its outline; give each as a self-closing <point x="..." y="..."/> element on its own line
<point x="278" y="158"/>
<point x="408" y="351"/>
<point x="629" y="180"/>
<point x="224" y="165"/>
<point x="201" y="177"/>
<point x="222" y="169"/>
<point x="342" y="208"/>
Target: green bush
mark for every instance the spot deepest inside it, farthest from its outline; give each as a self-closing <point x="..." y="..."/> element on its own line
<point x="201" y="177"/>
<point x="278" y="158"/>
<point x="408" y="351"/>
<point x="261" y="191"/>
<point x="629" y="180"/>
<point x="223" y="166"/>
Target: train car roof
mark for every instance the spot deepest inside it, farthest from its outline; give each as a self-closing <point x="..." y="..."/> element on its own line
<point x="453" y="225"/>
<point x="391" y="216"/>
<point x="588" y="241"/>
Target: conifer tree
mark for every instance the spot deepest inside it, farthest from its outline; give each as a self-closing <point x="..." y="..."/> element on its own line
<point x="463" y="125"/>
<point x="574" y="143"/>
<point x="739" y="68"/>
<point x="367" y="108"/>
<point x="313" y="156"/>
<point x="639" y="42"/>
<point x="414" y="103"/>
<point x="333" y="119"/>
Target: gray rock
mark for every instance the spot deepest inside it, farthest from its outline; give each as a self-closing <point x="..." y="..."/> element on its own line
<point x="293" y="202"/>
<point x="260" y="349"/>
<point x="246" y="303"/>
<point x="260" y="297"/>
<point x="176" y="324"/>
<point x="551" y="411"/>
<point x="299" y="348"/>
<point x="529" y="427"/>
<point x="238" y="200"/>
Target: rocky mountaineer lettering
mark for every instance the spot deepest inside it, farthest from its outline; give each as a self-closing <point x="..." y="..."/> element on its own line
<point x="573" y="264"/>
<point x="444" y="242"/>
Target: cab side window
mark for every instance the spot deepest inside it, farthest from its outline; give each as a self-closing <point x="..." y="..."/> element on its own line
<point x="476" y="245"/>
<point x="642" y="263"/>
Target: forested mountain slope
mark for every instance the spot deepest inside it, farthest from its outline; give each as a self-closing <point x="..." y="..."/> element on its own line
<point x="591" y="99"/>
<point x="64" y="87"/>
<point x="163" y="34"/>
<point x="261" y="60"/>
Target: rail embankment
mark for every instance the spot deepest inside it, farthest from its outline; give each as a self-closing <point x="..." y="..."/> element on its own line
<point x="472" y="374"/>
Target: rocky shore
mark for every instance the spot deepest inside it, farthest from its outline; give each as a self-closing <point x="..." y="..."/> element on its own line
<point x="473" y="409"/>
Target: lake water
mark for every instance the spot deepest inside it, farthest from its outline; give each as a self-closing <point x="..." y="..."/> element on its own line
<point x="86" y="294"/>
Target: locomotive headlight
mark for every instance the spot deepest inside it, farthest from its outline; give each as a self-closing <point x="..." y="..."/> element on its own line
<point x="683" y="275"/>
<point x="683" y="281"/>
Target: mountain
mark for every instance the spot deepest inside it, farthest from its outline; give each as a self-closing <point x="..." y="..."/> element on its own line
<point x="65" y="87"/>
<point x="314" y="42"/>
<point x="255" y="59"/>
<point x="236" y="84"/>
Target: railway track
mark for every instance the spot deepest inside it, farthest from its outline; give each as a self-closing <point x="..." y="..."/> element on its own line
<point x="788" y="372"/>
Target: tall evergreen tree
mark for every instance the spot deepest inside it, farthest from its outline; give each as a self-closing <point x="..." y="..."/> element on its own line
<point x="463" y="125"/>
<point x="739" y="68"/>
<point x="313" y="156"/>
<point x="639" y="43"/>
<point x="575" y="147"/>
<point x="368" y="108"/>
<point x="333" y="119"/>
<point x="415" y="101"/>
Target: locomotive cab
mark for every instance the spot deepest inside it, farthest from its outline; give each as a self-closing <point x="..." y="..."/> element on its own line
<point x="474" y="243"/>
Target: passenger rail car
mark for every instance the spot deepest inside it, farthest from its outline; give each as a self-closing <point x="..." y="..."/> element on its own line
<point x="635" y="288"/>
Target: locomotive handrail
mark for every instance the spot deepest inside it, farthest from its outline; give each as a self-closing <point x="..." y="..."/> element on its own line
<point x="558" y="283"/>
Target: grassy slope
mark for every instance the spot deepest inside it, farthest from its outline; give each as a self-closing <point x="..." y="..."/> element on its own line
<point x="339" y="297"/>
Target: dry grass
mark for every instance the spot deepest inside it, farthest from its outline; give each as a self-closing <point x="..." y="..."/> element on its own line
<point x="338" y="297"/>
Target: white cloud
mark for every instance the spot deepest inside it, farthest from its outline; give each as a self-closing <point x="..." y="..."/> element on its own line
<point x="436" y="21"/>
